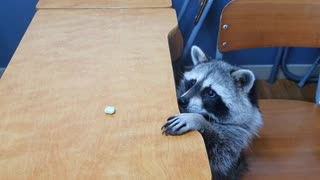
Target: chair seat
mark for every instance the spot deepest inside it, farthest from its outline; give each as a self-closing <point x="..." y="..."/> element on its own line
<point x="289" y="142"/>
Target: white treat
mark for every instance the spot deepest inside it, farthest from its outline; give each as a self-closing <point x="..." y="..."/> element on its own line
<point x="110" y="110"/>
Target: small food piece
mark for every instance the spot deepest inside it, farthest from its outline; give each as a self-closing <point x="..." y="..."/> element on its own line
<point x="110" y="110"/>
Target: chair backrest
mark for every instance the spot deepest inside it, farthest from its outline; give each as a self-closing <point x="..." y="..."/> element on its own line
<point x="248" y="24"/>
<point x="269" y="23"/>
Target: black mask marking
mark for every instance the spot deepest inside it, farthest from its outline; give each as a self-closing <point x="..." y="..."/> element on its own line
<point x="213" y="103"/>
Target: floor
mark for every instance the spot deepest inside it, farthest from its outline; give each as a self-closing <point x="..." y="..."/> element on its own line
<point x="285" y="89"/>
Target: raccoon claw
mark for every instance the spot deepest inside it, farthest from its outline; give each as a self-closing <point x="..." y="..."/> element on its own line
<point x="177" y="125"/>
<point x="170" y="118"/>
<point x="169" y="122"/>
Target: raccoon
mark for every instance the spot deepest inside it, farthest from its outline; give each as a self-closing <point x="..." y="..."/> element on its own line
<point x="219" y="101"/>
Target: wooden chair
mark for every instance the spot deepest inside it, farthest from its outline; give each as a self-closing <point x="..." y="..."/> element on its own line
<point x="284" y="23"/>
<point x="289" y="146"/>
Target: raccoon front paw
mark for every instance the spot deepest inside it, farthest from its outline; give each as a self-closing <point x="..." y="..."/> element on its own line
<point x="181" y="124"/>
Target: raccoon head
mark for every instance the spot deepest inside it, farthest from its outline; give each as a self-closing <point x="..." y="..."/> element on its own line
<point x="217" y="90"/>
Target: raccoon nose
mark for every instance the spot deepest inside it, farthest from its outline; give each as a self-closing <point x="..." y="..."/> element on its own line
<point x="183" y="102"/>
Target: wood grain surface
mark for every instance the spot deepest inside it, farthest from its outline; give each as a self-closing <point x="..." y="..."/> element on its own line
<point x="289" y="146"/>
<point x="285" y="89"/>
<point x="68" y="67"/>
<point x="270" y="23"/>
<point x="103" y="4"/>
<point x="176" y="43"/>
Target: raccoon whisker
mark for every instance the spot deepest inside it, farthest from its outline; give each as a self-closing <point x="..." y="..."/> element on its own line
<point x="180" y="73"/>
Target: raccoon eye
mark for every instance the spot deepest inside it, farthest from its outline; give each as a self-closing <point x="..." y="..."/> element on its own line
<point x="211" y="93"/>
<point x="208" y="92"/>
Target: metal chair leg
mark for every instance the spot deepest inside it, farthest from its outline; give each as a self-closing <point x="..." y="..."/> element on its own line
<point x="276" y="65"/>
<point x="318" y="92"/>
<point x="183" y="10"/>
<point x="201" y="18"/>
<point x="309" y="73"/>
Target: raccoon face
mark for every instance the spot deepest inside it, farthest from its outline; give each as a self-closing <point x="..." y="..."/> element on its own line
<point x="217" y="90"/>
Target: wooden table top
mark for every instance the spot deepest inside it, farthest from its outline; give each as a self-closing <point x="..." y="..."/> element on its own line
<point x="69" y="66"/>
<point x="104" y="4"/>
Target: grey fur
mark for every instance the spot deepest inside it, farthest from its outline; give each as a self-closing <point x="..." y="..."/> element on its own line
<point x="227" y="134"/>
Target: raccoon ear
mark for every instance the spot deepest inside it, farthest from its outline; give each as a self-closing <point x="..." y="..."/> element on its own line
<point x="197" y="55"/>
<point x="244" y="79"/>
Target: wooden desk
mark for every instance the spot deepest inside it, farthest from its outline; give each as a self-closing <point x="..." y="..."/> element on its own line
<point x="104" y="4"/>
<point x="68" y="67"/>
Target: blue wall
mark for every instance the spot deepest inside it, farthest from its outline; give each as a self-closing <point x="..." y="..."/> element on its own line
<point x="208" y="36"/>
<point x="15" y="16"/>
